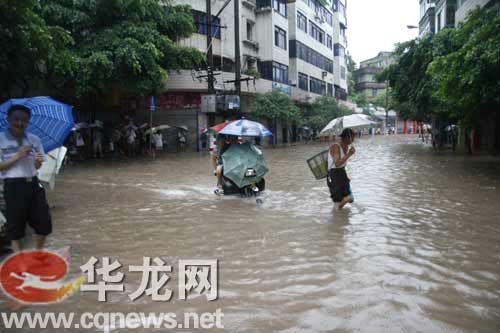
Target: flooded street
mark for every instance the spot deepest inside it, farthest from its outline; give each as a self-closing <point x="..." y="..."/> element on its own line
<point x="418" y="251"/>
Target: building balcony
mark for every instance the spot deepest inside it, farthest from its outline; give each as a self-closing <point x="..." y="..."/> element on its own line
<point x="368" y="70"/>
<point x="249" y="3"/>
<point x="370" y="85"/>
<point x="251" y="43"/>
<point x="263" y="6"/>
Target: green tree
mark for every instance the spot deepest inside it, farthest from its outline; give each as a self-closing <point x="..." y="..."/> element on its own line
<point x="411" y="85"/>
<point x="323" y="110"/>
<point x="275" y="105"/>
<point x="28" y="46"/>
<point x="351" y="81"/>
<point x="465" y="74"/>
<point x="122" y="46"/>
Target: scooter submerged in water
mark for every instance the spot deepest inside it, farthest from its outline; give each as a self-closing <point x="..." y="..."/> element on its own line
<point x="243" y="170"/>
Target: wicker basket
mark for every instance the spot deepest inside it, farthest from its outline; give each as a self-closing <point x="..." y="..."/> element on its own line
<point x="319" y="164"/>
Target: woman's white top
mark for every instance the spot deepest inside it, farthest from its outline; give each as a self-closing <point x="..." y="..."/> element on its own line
<point x="331" y="159"/>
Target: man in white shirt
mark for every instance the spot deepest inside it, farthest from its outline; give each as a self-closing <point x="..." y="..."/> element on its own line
<point x="21" y="155"/>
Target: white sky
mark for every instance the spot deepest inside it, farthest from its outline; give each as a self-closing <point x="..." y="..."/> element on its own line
<point x="376" y="25"/>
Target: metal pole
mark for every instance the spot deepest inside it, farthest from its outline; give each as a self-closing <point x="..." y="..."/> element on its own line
<point x="151" y="134"/>
<point x="237" y="63"/>
<point x="210" y="69"/>
<point x="387" y="104"/>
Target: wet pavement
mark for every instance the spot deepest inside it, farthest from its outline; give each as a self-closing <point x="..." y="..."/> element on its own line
<point x="418" y="251"/>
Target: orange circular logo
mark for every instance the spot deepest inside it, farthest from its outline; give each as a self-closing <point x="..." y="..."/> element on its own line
<point x="35" y="277"/>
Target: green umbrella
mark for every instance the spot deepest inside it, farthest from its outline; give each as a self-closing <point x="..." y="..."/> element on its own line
<point x="238" y="158"/>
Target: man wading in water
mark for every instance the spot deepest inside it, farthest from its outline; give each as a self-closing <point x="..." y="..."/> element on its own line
<point x="337" y="180"/>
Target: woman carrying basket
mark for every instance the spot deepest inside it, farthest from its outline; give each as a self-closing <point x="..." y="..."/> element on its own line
<point x="337" y="180"/>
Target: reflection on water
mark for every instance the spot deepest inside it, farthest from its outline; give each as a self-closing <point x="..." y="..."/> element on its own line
<point x="419" y="250"/>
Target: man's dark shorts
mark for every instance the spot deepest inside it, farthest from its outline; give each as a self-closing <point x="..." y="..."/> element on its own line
<point x="26" y="202"/>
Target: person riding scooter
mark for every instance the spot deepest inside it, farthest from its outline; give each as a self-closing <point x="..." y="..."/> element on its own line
<point x="242" y="169"/>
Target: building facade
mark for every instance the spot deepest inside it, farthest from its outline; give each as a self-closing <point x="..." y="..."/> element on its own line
<point x="366" y="75"/>
<point x="427" y="17"/>
<point x="297" y="48"/>
<point x="445" y="14"/>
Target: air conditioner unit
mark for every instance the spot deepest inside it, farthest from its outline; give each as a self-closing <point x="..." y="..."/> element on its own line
<point x="317" y="17"/>
<point x="292" y="83"/>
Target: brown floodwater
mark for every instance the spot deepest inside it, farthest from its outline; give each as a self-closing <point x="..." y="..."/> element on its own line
<point x="418" y="251"/>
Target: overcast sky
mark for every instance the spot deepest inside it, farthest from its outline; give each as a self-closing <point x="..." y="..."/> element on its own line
<point x="374" y="26"/>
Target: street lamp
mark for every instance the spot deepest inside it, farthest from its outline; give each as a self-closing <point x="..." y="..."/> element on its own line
<point x="409" y="26"/>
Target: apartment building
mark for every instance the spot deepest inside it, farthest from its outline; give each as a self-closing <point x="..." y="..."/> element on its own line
<point x="366" y="81"/>
<point x="297" y="48"/>
<point x="445" y="14"/>
<point x="427" y="21"/>
<point x="436" y="15"/>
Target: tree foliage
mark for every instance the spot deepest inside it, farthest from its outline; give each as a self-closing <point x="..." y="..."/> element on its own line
<point x="452" y="74"/>
<point x="124" y="45"/>
<point x="323" y="110"/>
<point x="92" y="47"/>
<point x="275" y="105"/>
<point x="27" y="44"/>
<point x="466" y="74"/>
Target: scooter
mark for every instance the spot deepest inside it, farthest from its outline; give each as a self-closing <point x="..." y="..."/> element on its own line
<point x="243" y="172"/>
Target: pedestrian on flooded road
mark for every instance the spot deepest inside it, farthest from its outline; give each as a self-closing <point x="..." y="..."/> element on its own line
<point x="21" y="155"/>
<point x="337" y="180"/>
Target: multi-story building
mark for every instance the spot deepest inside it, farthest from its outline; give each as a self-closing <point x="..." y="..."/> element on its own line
<point x="297" y="48"/>
<point x="465" y="6"/>
<point x="366" y="76"/>
<point x="427" y="17"/>
<point x="445" y="14"/>
<point x="339" y="48"/>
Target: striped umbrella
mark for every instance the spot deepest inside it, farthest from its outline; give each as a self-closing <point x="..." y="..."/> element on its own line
<point x="50" y="120"/>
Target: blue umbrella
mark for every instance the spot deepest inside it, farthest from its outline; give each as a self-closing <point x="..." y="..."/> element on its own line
<point x="50" y="120"/>
<point x="245" y="127"/>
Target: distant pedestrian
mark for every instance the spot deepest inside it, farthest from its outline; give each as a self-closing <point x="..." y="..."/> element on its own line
<point x="131" y="136"/>
<point x="181" y="141"/>
<point x="97" y="142"/>
<point x="21" y="155"/>
<point x="158" y="143"/>
<point x="337" y="180"/>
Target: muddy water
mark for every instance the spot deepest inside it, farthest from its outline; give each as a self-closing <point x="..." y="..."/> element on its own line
<point x="419" y="250"/>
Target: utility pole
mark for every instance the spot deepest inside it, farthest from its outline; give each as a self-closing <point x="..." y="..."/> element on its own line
<point x="210" y="69"/>
<point x="237" y="63"/>
<point x="387" y="104"/>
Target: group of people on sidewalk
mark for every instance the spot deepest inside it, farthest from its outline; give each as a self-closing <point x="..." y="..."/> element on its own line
<point x="125" y="139"/>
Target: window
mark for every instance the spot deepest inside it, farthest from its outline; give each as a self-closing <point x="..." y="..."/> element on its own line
<point x="316" y="33"/>
<point x="374" y="92"/>
<point x="338" y="50"/>
<point x="249" y="30"/>
<point x="317" y="86"/>
<point x="280" y="6"/>
<point x="439" y="22"/>
<point x="279" y="37"/>
<point x="302" y="22"/>
<point x="328" y="17"/>
<point x="299" y="50"/>
<point x="303" y="82"/>
<point x="342" y="72"/>
<point x="280" y="72"/>
<point x="200" y="21"/>
<point x="330" y="89"/>
<point x="329" y="42"/>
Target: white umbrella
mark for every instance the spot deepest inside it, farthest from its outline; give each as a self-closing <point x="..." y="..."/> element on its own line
<point x="80" y="126"/>
<point x="156" y="129"/>
<point x="51" y="166"/>
<point x="353" y="121"/>
<point x="184" y="128"/>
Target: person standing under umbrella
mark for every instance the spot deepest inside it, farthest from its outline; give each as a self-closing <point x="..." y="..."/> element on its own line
<point x="337" y="180"/>
<point x="21" y="155"/>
